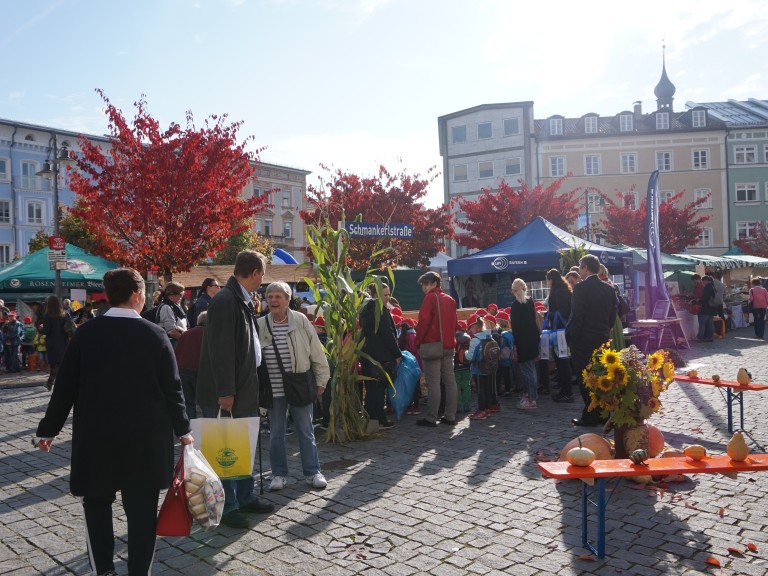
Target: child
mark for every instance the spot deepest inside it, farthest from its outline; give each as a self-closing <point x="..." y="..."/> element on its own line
<point x="12" y="333"/>
<point x="504" y="373"/>
<point x="461" y="366"/>
<point x="42" y="354"/>
<point x="28" y="343"/>
<point x="481" y="329"/>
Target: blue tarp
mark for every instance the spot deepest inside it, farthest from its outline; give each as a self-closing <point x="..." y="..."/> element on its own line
<point x="533" y="247"/>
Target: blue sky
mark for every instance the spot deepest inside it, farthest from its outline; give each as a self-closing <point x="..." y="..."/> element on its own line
<point x="357" y="83"/>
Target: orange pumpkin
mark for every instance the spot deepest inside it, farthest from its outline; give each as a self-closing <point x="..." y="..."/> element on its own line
<point x="655" y="441"/>
<point x="599" y="445"/>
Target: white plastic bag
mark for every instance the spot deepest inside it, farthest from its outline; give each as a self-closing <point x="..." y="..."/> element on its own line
<point x="205" y="494"/>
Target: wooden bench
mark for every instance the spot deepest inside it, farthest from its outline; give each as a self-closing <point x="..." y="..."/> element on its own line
<point x="734" y="393"/>
<point x="601" y="470"/>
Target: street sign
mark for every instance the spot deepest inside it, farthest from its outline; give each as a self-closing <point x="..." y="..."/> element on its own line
<point x="57" y="265"/>
<point x="361" y="229"/>
<point x="57" y="243"/>
<point x="57" y="255"/>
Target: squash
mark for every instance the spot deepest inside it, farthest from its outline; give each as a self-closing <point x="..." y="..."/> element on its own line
<point x="639" y="456"/>
<point x="693" y="373"/>
<point x="695" y="452"/>
<point x="655" y="441"/>
<point x="716" y="378"/>
<point x="599" y="445"/>
<point x="743" y="377"/>
<point x="580" y="456"/>
<point x="737" y="448"/>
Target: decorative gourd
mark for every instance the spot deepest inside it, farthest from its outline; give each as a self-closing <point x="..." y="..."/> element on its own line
<point x="655" y="441"/>
<point x="715" y="377"/>
<point x="693" y="373"/>
<point x="695" y="452"/>
<point x="743" y="377"/>
<point x="599" y="445"/>
<point x="639" y="456"/>
<point x="737" y="448"/>
<point x="580" y="456"/>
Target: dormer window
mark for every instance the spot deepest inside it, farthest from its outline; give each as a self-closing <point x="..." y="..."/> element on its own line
<point x="556" y="126"/>
<point x="699" y="118"/>
<point x="626" y="123"/>
<point x="29" y="138"/>
<point x="662" y="121"/>
<point x="590" y="125"/>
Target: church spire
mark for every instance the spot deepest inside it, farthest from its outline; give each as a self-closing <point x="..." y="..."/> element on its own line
<point x="665" y="90"/>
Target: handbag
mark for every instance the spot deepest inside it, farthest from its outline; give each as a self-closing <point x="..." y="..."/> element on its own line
<point x="300" y="388"/>
<point x="174" y="518"/>
<point x="434" y="350"/>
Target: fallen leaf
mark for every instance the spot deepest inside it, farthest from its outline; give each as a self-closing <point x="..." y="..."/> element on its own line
<point x="552" y="545"/>
<point x="751" y="547"/>
<point x="712" y="561"/>
<point x="587" y="557"/>
<point x="689" y="505"/>
<point x="723" y="511"/>
<point x="751" y="480"/>
<point x="735" y="551"/>
<point x="697" y="429"/>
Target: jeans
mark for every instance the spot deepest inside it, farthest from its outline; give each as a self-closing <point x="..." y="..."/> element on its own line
<point x="528" y="371"/>
<point x="376" y="390"/>
<point x="759" y="316"/>
<point x="12" y="358"/>
<point x="706" y="327"/>
<point x="302" y="424"/>
<point x="564" y="375"/>
<point x="484" y="384"/>
<point x="434" y="372"/>
<point x="236" y="492"/>
<point x="189" y="387"/>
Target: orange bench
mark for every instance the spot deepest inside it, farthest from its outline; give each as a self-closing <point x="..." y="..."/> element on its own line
<point x="734" y="393"/>
<point x="601" y="470"/>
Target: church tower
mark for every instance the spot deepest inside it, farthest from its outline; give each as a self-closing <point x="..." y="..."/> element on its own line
<point x="665" y="90"/>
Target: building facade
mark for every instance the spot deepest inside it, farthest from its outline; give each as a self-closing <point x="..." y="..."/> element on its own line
<point x="747" y="162"/>
<point x="482" y="146"/>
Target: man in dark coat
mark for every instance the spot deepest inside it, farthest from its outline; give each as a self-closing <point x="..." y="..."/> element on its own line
<point x="226" y="377"/>
<point x="593" y="314"/>
<point x="381" y="345"/>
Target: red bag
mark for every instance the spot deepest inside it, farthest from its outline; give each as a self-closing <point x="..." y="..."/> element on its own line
<point x="175" y="519"/>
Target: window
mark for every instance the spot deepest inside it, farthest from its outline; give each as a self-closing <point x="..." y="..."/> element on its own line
<point x="746" y="192"/>
<point x="700" y="193"/>
<point x="512" y="166"/>
<point x="511" y="126"/>
<point x="701" y="159"/>
<point x="485" y="169"/>
<point x="699" y="118"/>
<point x="630" y="200"/>
<point x="287" y="225"/>
<point x="590" y="124"/>
<point x="664" y="161"/>
<point x="662" y="120"/>
<point x="3" y="169"/>
<point x="458" y="134"/>
<point x="765" y="153"/>
<point x="28" y="178"/>
<point x="5" y="211"/>
<point x="591" y="165"/>
<point x="556" y="126"/>
<point x="256" y="191"/>
<point x="557" y="166"/>
<point x="286" y="198"/>
<point x="5" y="254"/>
<point x="629" y="163"/>
<point x="595" y="203"/>
<point x="666" y="196"/>
<point x="745" y="154"/>
<point x="705" y="238"/>
<point x="258" y="226"/>
<point x="746" y="230"/>
<point x="460" y="173"/>
<point x="484" y="130"/>
<point x="625" y="123"/>
<point x="268" y="227"/>
<point x="297" y="196"/>
<point x="35" y="213"/>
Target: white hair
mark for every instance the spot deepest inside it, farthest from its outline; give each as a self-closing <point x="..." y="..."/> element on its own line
<point x="279" y="286"/>
<point x="520" y="290"/>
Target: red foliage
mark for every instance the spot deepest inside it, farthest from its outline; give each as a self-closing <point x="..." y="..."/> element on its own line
<point x="384" y="197"/>
<point x="499" y="213"/>
<point x="679" y="226"/>
<point x="757" y="245"/>
<point x="163" y="198"/>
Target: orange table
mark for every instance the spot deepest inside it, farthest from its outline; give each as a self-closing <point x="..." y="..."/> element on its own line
<point x="734" y="393"/>
<point x="601" y="470"/>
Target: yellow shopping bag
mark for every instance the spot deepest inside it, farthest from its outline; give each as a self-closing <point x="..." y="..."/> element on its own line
<point x="229" y="444"/>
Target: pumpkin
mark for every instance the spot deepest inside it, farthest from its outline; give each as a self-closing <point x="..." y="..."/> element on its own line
<point x="695" y="452"/>
<point x="693" y="373"/>
<point x="655" y="441"/>
<point x="580" y="456"/>
<point x="599" y="445"/>
<point x="737" y="448"/>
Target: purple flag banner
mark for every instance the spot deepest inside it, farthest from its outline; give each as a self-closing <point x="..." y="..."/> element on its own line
<point x="655" y="289"/>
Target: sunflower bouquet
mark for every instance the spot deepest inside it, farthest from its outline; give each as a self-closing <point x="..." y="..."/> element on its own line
<point x="626" y="383"/>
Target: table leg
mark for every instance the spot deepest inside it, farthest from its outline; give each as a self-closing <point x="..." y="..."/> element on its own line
<point x="741" y="410"/>
<point x="729" y="401"/>
<point x="601" y="505"/>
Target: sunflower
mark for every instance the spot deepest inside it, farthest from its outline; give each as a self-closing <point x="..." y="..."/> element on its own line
<point x="609" y="358"/>
<point x="605" y="383"/>
<point x="657" y="386"/>
<point x="619" y="375"/>
<point x="669" y="371"/>
<point x="655" y="361"/>
<point x="654" y="404"/>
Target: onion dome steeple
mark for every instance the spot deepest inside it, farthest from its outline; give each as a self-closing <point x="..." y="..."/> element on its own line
<point x="665" y="90"/>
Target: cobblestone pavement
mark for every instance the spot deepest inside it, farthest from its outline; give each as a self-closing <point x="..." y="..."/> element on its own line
<point x="443" y="501"/>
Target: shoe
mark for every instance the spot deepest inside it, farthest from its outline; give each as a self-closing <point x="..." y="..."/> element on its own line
<point x="234" y="519"/>
<point x="581" y="422"/>
<point x="523" y="400"/>
<point x="317" y="481"/>
<point x="425" y="422"/>
<point x="257" y="506"/>
<point x="278" y="483"/>
<point x="386" y="425"/>
<point x="563" y="398"/>
<point x="445" y="420"/>
<point x="478" y="415"/>
<point x="288" y="431"/>
<point x="493" y="409"/>
<point x="528" y="405"/>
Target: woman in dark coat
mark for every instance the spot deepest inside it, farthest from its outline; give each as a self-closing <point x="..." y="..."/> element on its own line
<point x="58" y="329"/>
<point x="559" y="301"/>
<point x="707" y="312"/>
<point x="119" y="372"/>
<point x="526" y="337"/>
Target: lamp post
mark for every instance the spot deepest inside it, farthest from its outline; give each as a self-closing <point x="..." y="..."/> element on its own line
<point x="586" y="201"/>
<point x="51" y="170"/>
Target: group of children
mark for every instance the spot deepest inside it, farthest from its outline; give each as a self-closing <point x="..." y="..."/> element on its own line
<point x="22" y="345"/>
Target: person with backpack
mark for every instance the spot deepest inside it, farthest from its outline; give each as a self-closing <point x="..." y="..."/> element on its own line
<point x="506" y="353"/>
<point x="208" y="290"/>
<point x="13" y="333"/>
<point x="526" y="336"/>
<point x="28" y="344"/>
<point x="484" y="354"/>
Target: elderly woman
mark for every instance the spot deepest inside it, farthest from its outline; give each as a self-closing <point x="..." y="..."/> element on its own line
<point x="290" y="344"/>
<point x="526" y="337"/>
<point x="120" y="375"/>
<point x="170" y="315"/>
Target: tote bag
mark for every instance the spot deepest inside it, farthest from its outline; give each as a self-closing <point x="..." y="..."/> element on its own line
<point x="228" y="444"/>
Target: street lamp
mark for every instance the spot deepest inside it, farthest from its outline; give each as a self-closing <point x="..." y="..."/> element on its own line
<point x="51" y="170"/>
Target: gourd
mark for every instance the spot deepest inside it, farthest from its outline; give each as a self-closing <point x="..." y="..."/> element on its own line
<point x="580" y="456"/>
<point x="599" y="445"/>
<point x="743" y="377"/>
<point x="639" y="456"/>
<point x="655" y="441"/>
<point x="715" y="377"/>
<point x="695" y="452"/>
<point x="737" y="448"/>
<point x="693" y="373"/>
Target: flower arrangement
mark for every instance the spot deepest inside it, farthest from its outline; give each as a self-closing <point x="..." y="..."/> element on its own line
<point x="626" y="384"/>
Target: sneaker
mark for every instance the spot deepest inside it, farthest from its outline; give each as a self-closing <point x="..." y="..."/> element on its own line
<point x="493" y="409"/>
<point x="386" y="425"/>
<point x="528" y="404"/>
<point x="478" y="415"/>
<point x="278" y="483"/>
<point x="317" y="481"/>
<point x="523" y="400"/>
<point x="563" y="398"/>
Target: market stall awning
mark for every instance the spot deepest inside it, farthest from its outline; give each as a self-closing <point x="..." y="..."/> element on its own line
<point x="722" y="262"/>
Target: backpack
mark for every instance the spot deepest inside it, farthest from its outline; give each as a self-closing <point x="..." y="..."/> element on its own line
<point x="151" y="314"/>
<point x="716" y="300"/>
<point x="191" y="316"/>
<point x="505" y="352"/>
<point x="487" y="355"/>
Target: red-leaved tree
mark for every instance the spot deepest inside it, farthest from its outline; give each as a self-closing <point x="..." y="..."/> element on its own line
<point x="499" y="213"/>
<point x="679" y="225"/>
<point x="384" y="198"/>
<point x="163" y="198"/>
<point x="755" y="245"/>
